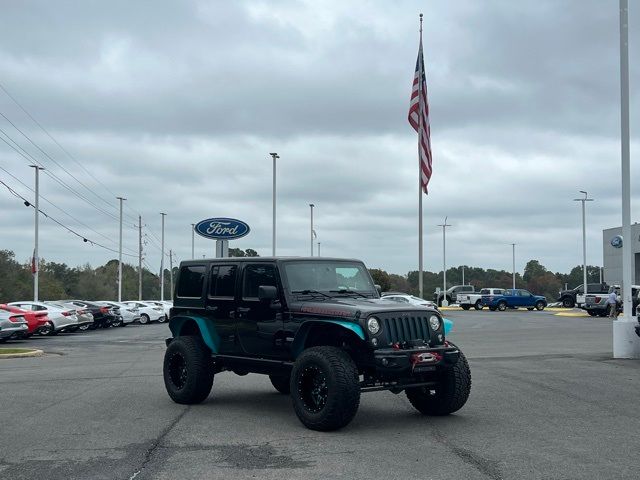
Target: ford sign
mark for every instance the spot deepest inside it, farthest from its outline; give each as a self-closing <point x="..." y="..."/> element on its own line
<point x="222" y="228"/>
<point x="616" y="242"/>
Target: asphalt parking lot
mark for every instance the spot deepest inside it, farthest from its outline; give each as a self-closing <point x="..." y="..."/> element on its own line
<point x="547" y="402"/>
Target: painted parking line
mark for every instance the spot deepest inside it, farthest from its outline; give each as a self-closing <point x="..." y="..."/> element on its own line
<point x="571" y="314"/>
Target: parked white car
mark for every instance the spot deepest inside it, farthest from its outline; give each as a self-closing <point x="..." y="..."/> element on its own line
<point x="409" y="299"/>
<point x="166" y="306"/>
<point x="62" y="319"/>
<point x="127" y="313"/>
<point x="148" y="311"/>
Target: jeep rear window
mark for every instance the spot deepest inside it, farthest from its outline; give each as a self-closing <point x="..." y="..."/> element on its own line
<point x="191" y="279"/>
<point x="223" y="281"/>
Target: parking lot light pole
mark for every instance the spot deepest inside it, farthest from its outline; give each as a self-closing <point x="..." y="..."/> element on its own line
<point x="584" y="239"/>
<point x="625" y="343"/>
<point x="36" y="258"/>
<point x="193" y="240"/>
<point x="120" y="253"/>
<point x="273" y="231"/>
<point x="444" y="226"/>
<point x="513" y="271"/>
<point x="162" y="260"/>
<point x="311" y="205"/>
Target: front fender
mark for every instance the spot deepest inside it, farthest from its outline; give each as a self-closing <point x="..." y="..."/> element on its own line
<point x="301" y="336"/>
<point x="178" y="326"/>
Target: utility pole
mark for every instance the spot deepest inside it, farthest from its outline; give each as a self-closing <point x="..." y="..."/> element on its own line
<point x="311" y="205"/>
<point x="513" y="270"/>
<point x="171" y="271"/>
<point x="463" y="275"/>
<point x="318" y="248"/>
<point x="140" y="257"/>
<point x="36" y="258"/>
<point x="121" y="199"/>
<point x="162" y="260"/>
<point x="444" y="226"/>
<point x="584" y="240"/>
<point x="273" y="233"/>
<point x="193" y="240"/>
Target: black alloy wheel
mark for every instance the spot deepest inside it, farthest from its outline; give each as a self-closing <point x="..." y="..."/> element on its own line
<point x="325" y="388"/>
<point x="117" y="323"/>
<point x="188" y="370"/>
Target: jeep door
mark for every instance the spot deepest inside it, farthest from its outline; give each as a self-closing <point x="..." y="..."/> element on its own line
<point x="221" y="303"/>
<point x="258" y="322"/>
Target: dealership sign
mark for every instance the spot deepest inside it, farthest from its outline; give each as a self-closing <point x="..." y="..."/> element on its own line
<point x="222" y="228"/>
<point x="616" y="242"/>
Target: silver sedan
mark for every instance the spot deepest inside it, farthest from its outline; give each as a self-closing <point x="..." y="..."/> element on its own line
<point x="11" y="323"/>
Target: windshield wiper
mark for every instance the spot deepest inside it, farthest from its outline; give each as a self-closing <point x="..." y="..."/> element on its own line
<point x="346" y="290"/>
<point x="310" y="292"/>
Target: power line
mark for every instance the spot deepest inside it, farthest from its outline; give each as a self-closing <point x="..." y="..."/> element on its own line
<point x="29" y="158"/>
<point x="70" y="230"/>
<point x="60" y="146"/>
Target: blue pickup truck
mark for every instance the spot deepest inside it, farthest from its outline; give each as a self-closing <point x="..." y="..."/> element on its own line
<point x="514" y="298"/>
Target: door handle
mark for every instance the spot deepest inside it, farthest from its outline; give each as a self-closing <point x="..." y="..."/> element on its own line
<point x="211" y="308"/>
<point x="242" y="309"/>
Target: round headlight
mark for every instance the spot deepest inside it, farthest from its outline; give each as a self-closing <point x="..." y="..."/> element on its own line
<point x="434" y="321"/>
<point x="373" y="325"/>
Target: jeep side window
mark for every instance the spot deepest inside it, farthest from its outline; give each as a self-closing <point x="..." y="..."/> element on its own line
<point x="223" y="281"/>
<point x="256" y="276"/>
<point x="191" y="280"/>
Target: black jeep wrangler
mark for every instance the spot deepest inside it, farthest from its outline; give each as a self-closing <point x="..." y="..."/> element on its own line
<point x="318" y="328"/>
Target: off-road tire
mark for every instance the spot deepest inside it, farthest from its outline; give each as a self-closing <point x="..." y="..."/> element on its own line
<point x="450" y="396"/>
<point x="502" y="306"/>
<point x="342" y="388"/>
<point x="188" y="370"/>
<point x="540" y="305"/>
<point x="282" y="383"/>
<point x="465" y="307"/>
<point x="478" y="305"/>
<point x="568" y="302"/>
<point x="144" y="319"/>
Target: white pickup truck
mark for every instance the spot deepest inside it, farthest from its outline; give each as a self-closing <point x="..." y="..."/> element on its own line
<point x="468" y="300"/>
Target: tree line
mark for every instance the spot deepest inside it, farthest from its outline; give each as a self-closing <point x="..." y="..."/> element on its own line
<point x="59" y="281"/>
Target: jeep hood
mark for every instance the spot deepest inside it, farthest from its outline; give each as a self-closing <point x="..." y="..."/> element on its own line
<point x="349" y="307"/>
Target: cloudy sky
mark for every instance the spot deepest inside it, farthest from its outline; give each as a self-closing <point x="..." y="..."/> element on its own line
<point x="176" y="106"/>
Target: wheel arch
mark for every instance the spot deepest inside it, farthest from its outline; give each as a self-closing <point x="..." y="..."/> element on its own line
<point x="325" y="332"/>
<point x="184" y="325"/>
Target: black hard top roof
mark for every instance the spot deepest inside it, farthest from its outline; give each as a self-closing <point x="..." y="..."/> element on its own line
<point x="267" y="259"/>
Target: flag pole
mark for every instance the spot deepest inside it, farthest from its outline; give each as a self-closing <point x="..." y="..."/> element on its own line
<point x="420" y="267"/>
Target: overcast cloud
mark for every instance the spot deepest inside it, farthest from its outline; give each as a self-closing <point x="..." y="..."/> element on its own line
<point x="176" y="106"/>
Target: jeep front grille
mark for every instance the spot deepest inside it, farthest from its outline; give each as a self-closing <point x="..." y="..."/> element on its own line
<point x="406" y="328"/>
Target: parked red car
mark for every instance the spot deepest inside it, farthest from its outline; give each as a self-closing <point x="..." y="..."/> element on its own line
<point x="35" y="320"/>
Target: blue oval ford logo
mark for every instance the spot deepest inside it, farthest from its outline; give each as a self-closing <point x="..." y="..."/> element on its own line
<point x="222" y="228"/>
<point x="616" y="242"/>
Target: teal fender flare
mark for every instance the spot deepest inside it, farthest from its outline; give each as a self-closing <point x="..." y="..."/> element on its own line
<point x="301" y="336"/>
<point x="448" y="325"/>
<point x="207" y="329"/>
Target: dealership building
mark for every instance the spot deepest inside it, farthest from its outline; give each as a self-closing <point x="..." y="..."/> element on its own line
<point x="612" y="254"/>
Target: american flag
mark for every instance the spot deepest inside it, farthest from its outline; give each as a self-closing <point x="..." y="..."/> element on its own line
<point x="419" y="118"/>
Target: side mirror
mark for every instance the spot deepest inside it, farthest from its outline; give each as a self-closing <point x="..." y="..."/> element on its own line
<point x="267" y="293"/>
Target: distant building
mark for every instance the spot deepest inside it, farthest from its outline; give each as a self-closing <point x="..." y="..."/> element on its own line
<point x="613" y="256"/>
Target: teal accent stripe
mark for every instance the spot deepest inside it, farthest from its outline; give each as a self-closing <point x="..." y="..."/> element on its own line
<point x="448" y="325"/>
<point x="354" y="327"/>
<point x="207" y="330"/>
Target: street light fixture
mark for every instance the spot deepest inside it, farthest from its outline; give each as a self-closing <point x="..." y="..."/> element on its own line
<point x="311" y="205"/>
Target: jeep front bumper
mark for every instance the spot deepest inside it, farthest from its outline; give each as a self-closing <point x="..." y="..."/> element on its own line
<point x="415" y="360"/>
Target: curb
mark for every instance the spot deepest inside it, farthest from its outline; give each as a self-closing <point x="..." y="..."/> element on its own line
<point x="33" y="353"/>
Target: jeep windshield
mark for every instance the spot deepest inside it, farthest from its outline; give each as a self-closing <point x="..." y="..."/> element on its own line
<point x="334" y="279"/>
